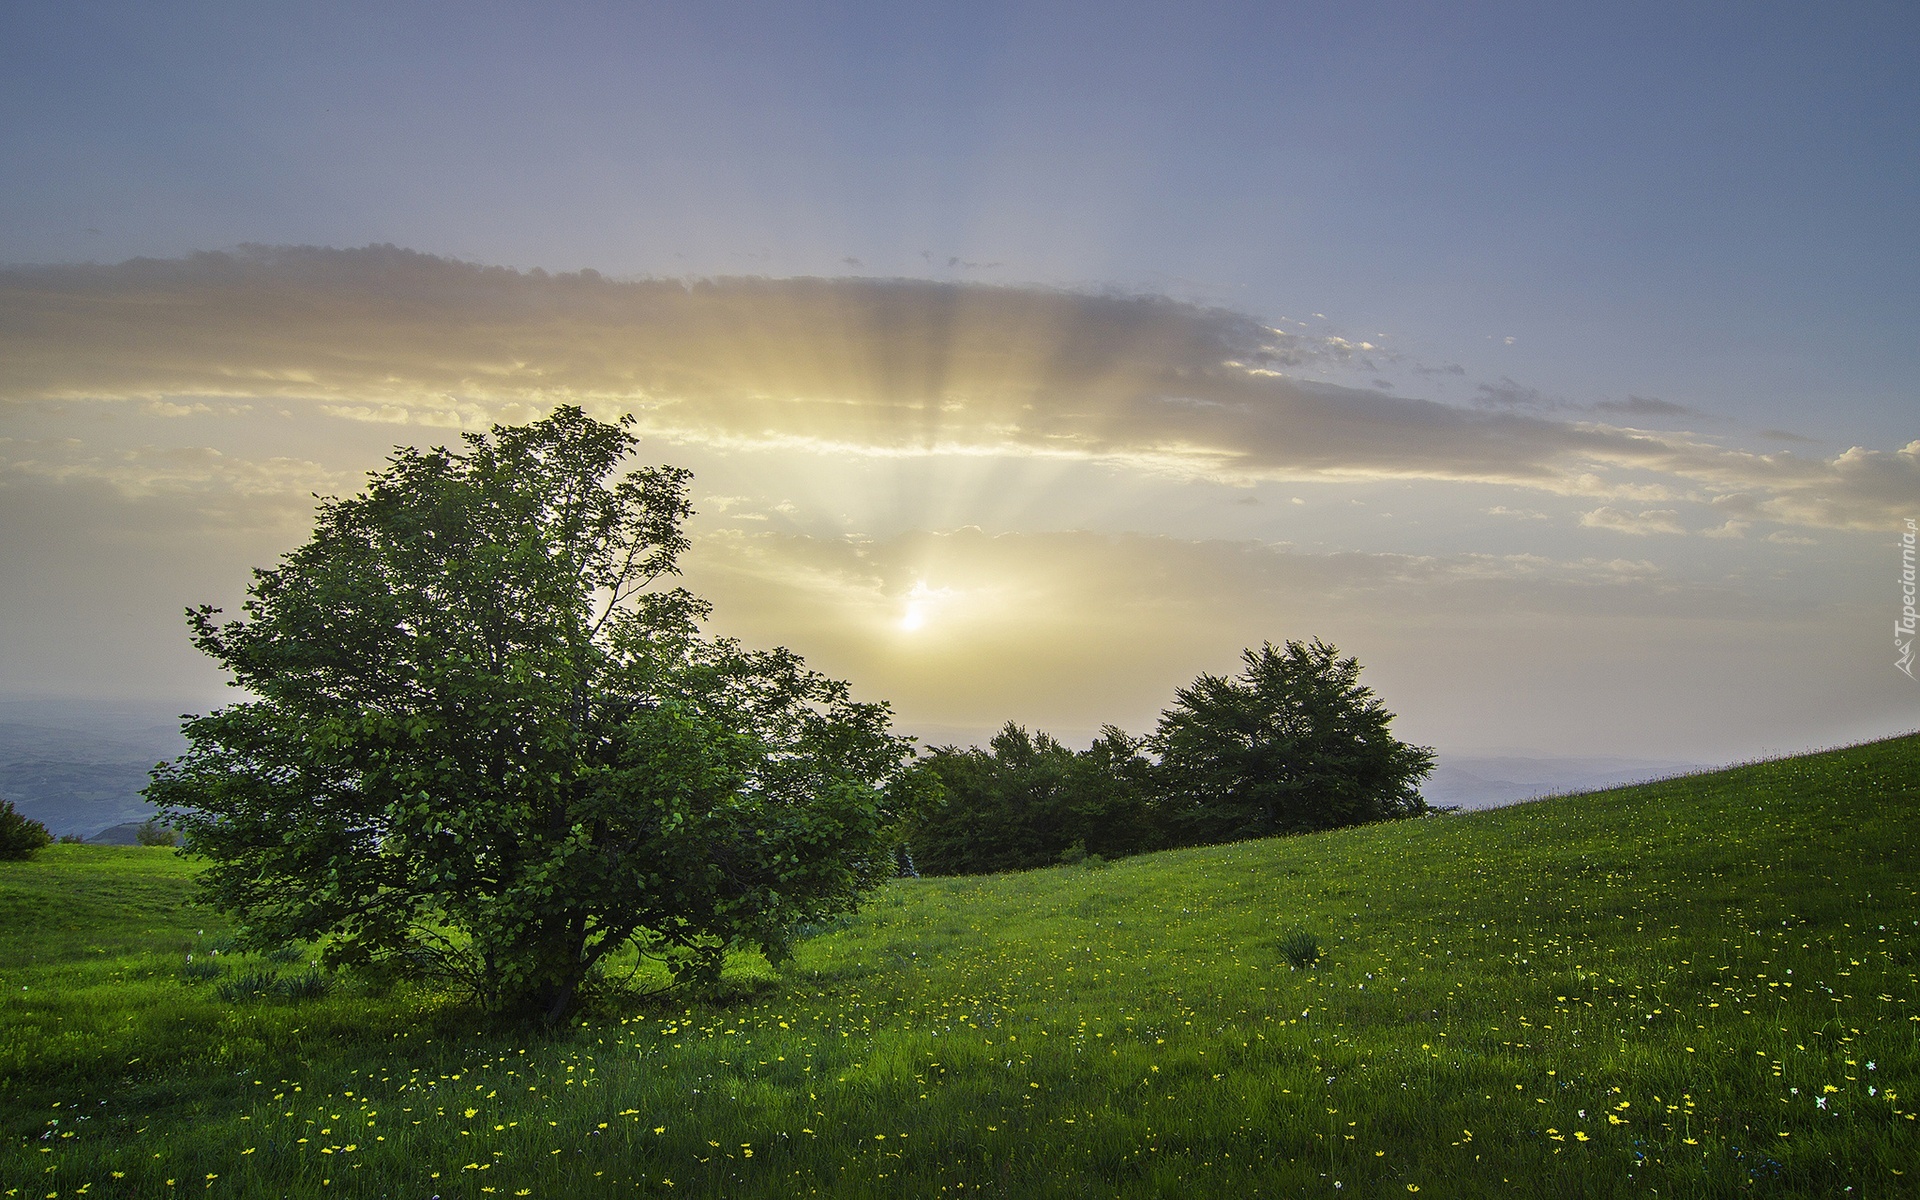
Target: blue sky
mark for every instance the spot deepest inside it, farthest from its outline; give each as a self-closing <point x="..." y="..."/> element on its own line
<point x="1685" y="219"/>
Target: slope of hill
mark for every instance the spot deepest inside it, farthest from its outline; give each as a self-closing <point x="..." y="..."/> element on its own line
<point x="1708" y="985"/>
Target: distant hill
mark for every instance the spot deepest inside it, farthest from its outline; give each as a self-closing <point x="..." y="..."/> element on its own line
<point x="78" y="766"/>
<point x="127" y="833"/>
<point x="1488" y="781"/>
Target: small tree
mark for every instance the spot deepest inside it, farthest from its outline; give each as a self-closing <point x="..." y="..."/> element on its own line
<point x="488" y="741"/>
<point x="1293" y="743"/>
<point x="20" y="835"/>
<point x="153" y="833"/>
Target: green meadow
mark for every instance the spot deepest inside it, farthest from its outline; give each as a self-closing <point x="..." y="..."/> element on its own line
<point x="1707" y="986"/>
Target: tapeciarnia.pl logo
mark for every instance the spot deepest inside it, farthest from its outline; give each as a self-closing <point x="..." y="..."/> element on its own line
<point x="1903" y="628"/>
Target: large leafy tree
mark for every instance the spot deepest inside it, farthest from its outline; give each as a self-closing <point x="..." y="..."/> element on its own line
<point x="486" y="738"/>
<point x="1293" y="743"/>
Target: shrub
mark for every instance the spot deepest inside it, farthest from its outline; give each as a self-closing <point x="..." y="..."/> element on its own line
<point x="1300" y="948"/>
<point x="285" y="954"/>
<point x="200" y="970"/>
<point x="153" y="833"/>
<point x="309" y="985"/>
<point x="20" y="835"/>
<point x="250" y="986"/>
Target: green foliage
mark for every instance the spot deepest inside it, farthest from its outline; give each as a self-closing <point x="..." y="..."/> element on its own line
<point x="20" y="835"/>
<point x="1494" y="992"/>
<point x="153" y="833"/>
<point x="249" y="985"/>
<point x="1300" y="949"/>
<point x="1292" y="744"/>
<point x="313" y="984"/>
<point x="199" y="970"/>
<point x="490" y="744"/>
<point x="1026" y="800"/>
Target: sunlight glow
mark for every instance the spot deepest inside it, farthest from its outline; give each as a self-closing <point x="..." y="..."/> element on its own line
<point x="922" y="602"/>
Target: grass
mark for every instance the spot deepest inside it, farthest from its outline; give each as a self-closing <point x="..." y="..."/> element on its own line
<point x="1706" y="986"/>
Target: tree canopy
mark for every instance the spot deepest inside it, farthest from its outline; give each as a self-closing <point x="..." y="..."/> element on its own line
<point x="1026" y="799"/>
<point x="486" y="738"/>
<point x="1293" y="743"/>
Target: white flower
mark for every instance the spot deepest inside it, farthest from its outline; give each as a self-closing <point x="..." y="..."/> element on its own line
<point x="1820" y="1101"/>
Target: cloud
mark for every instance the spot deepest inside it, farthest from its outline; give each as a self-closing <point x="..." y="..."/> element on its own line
<point x="890" y="368"/>
<point x="1658" y="520"/>
<point x="163" y="408"/>
<point x="1643" y="406"/>
<point x="1081" y="587"/>
<point x="1508" y="394"/>
<point x="146" y="471"/>
<point x="1083" y="628"/>
<point x="1095" y="627"/>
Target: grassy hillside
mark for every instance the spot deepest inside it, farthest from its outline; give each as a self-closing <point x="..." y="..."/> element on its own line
<point x="1707" y="986"/>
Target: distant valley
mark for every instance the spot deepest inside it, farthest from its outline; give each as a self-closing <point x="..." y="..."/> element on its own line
<point x="78" y="767"/>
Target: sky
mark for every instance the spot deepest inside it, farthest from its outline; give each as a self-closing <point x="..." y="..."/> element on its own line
<point x="1555" y="361"/>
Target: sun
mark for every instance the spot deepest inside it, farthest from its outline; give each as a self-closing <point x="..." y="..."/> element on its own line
<point x="922" y="601"/>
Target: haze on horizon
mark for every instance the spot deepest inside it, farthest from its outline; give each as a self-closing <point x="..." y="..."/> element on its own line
<point x="1557" y="366"/>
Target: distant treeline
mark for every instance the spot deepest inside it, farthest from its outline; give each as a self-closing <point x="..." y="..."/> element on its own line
<point x="1292" y="744"/>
